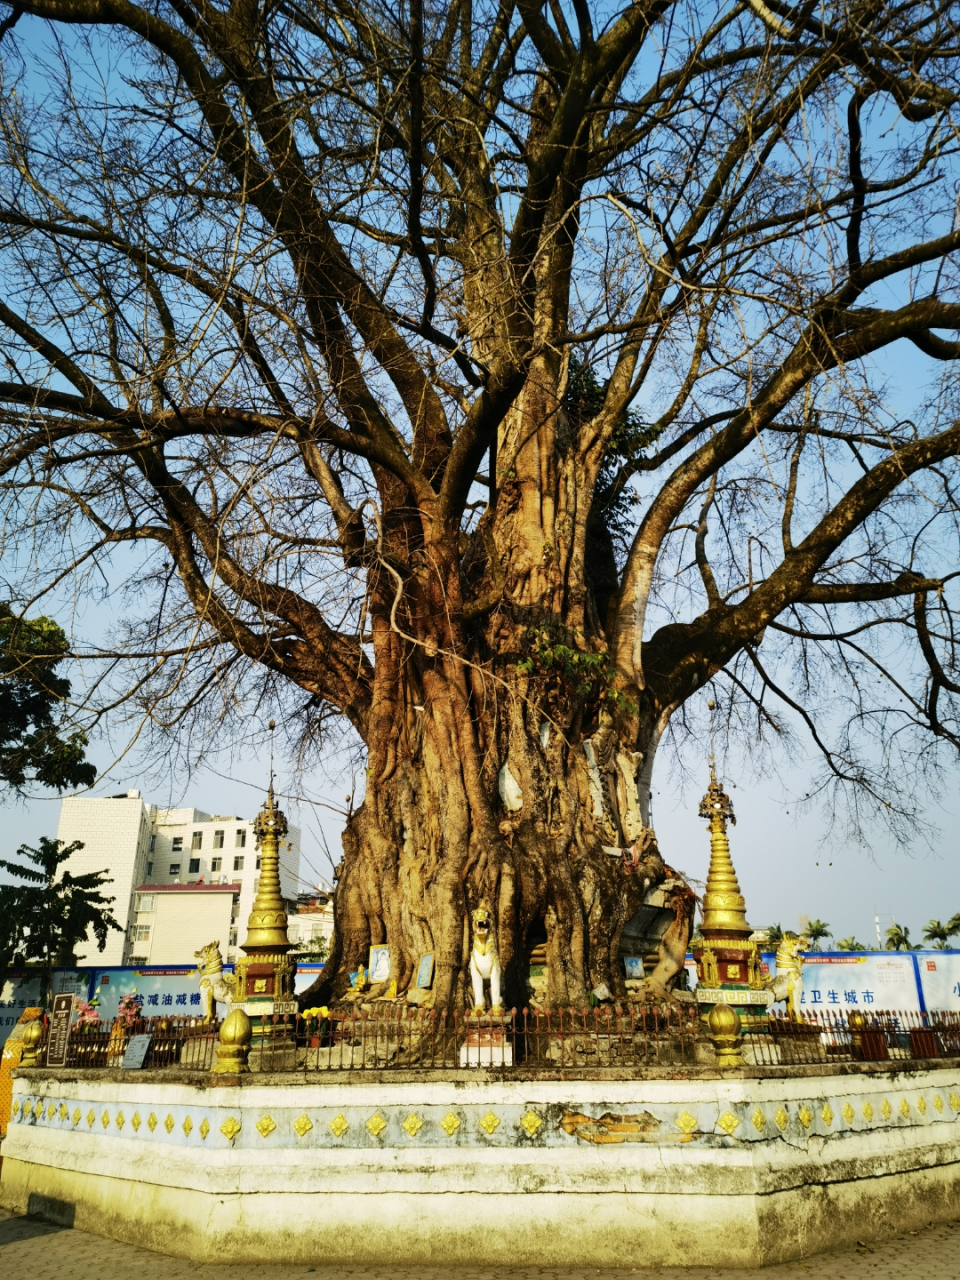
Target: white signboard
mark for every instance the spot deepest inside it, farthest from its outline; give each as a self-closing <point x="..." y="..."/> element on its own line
<point x="940" y="979"/>
<point x="851" y="980"/>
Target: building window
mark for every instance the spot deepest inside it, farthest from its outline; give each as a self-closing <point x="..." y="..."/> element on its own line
<point x="174" y="869"/>
<point x="238" y="864"/>
<point x="216" y="864"/>
<point x="149" y="870"/>
<point x="218" y="839"/>
<point x="194" y="866"/>
<point x="233" y="937"/>
<point x="197" y="840"/>
<point x="258" y="862"/>
<point x="153" y="843"/>
<point x="140" y="933"/>
<point x="177" y="843"/>
<point x="146" y="903"/>
<point x="241" y="842"/>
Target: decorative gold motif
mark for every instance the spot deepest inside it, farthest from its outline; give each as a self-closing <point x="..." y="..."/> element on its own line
<point x="686" y="1122"/>
<point x="826" y="1114"/>
<point x="938" y="1103"/>
<point x="725" y="1028"/>
<point x="121" y="1120"/>
<point x="885" y="1109"/>
<point x="848" y="1113"/>
<point x="105" y="1119"/>
<point x="266" y="1126"/>
<point x="51" y="1110"/>
<point x="15" y="1109"/>
<point x="610" y="1128"/>
<point x="187" y="1126"/>
<point x="230" y="1128"/>
<point x="302" y="1126"/>
<point x="91" y="1116"/>
<point x="77" y="1117"/>
<point x="867" y="1110"/>
<point x="450" y="1124"/>
<point x="922" y="1105"/>
<point x="530" y="1123"/>
<point x="805" y="1116"/>
<point x="954" y="1102"/>
<point x="728" y="1122"/>
<point x="904" y="1108"/>
<point x="151" y="1122"/>
<point x="169" y="1123"/>
<point x="204" y="1128"/>
<point x="376" y="1124"/>
<point x="339" y="1126"/>
<point x="412" y="1125"/>
<point x="782" y="1119"/>
<point x="38" y="1108"/>
<point x="136" y="1121"/>
<point x="759" y="1120"/>
<point x="233" y="1043"/>
<point x="64" y="1112"/>
<point x="489" y="1123"/>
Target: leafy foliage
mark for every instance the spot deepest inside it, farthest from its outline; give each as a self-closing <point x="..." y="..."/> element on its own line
<point x="33" y="747"/>
<point x="44" y="920"/>
<point x="816" y="931"/>
<point x="898" y="938"/>
<point x="586" y="673"/>
<point x="849" y="944"/>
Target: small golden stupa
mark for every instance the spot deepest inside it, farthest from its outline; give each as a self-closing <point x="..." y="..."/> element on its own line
<point x="727" y="959"/>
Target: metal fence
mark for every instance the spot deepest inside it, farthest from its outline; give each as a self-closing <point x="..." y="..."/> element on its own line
<point x="671" y="1036"/>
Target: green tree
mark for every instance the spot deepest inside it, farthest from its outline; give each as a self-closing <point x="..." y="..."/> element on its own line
<point x="775" y="934"/>
<point x="816" y="931"/>
<point x="898" y="939"/>
<point x="937" y="934"/>
<point x="953" y="925"/>
<point x="314" y="951"/>
<point x="43" y="920"/>
<point x="849" y="944"/>
<point x="33" y="744"/>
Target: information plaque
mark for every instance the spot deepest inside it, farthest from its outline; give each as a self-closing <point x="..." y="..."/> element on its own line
<point x="59" y="1036"/>
<point x="135" y="1054"/>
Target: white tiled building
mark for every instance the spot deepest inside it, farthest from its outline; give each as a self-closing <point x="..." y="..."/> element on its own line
<point x="141" y="846"/>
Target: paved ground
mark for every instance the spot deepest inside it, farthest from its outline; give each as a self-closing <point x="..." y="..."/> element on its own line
<point x="29" y="1248"/>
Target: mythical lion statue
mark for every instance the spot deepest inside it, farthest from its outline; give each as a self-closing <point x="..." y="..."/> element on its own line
<point x="787" y="982"/>
<point x="214" y="983"/>
<point x="484" y="961"/>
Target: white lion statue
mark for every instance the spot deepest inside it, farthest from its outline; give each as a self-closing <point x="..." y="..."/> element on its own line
<point x="484" y="961"/>
<point x="214" y="983"/>
<point x="787" y="982"/>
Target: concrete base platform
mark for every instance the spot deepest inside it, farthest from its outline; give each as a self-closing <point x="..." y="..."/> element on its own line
<point x="740" y="1171"/>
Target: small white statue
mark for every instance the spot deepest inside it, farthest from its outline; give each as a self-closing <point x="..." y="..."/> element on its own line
<point x="484" y="961"/>
<point x="787" y="982"/>
<point x="214" y="983"/>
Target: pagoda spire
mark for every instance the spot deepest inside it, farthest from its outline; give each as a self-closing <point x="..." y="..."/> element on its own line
<point x="724" y="907"/>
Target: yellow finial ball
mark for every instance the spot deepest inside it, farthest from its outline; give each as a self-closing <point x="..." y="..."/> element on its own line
<point x="723" y="1020"/>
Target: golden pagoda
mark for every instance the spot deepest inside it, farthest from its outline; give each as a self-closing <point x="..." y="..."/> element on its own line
<point x="728" y="962"/>
<point x="265" y="973"/>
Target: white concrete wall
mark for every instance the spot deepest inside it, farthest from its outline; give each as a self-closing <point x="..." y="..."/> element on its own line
<point x="181" y="924"/>
<point x="116" y="835"/>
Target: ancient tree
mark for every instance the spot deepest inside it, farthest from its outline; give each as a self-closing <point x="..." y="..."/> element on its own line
<point x="490" y="379"/>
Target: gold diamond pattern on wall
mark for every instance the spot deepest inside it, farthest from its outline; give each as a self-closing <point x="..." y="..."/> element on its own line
<point x="204" y="1128"/>
<point x="151" y="1122"/>
<point x="339" y="1126"/>
<point x="169" y="1123"/>
<point x="136" y="1121"/>
<point x="728" y="1122"/>
<point x="412" y="1125"/>
<point x="376" y="1124"/>
<point x="15" y="1109"/>
<point x="91" y="1117"/>
<point x="848" y="1113"/>
<point x="266" y="1126"/>
<point x="867" y="1110"/>
<point x="530" y="1123"/>
<point x="38" y="1109"/>
<point x="64" y="1113"/>
<point x="105" y="1119"/>
<point x="77" y="1117"/>
<point x="826" y="1114"/>
<point x="938" y="1103"/>
<point x="759" y="1120"/>
<point x="450" y="1124"/>
<point x="302" y="1126"/>
<point x="885" y="1109"/>
<point x="805" y="1116"/>
<point x="51" y="1110"/>
<point x="904" y="1108"/>
<point x="489" y="1123"/>
<point x="782" y="1119"/>
<point x="187" y="1127"/>
<point x="954" y="1102"/>
<point x="922" y="1105"/>
<point x="686" y="1122"/>
<point x="121" y="1120"/>
<point x="230" y="1128"/>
